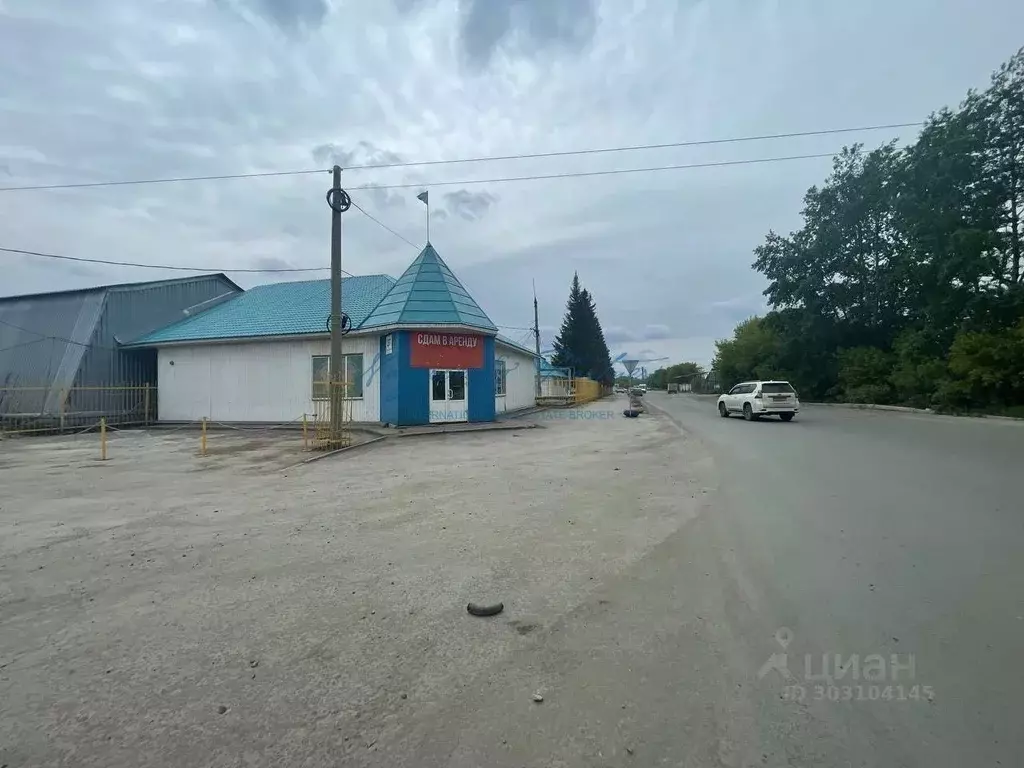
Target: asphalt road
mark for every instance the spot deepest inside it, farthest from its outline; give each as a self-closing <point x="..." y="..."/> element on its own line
<point x="845" y="533"/>
<point x="871" y="532"/>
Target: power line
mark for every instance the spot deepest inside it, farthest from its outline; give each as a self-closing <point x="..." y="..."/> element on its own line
<point x="362" y="210"/>
<point x="159" y="266"/>
<point x="634" y="147"/>
<point x="581" y="174"/>
<point x="22" y="344"/>
<point x="173" y="180"/>
<point x="524" y="338"/>
<point x="463" y="160"/>
<point x="45" y="336"/>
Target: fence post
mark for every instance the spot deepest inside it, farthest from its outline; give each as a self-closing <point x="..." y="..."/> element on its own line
<point x="305" y="434"/>
<point x="202" y="440"/>
<point x="63" y="408"/>
<point x="103" y="438"/>
<point x="146" y="417"/>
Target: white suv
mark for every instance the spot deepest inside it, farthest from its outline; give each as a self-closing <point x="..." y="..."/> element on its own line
<point x="755" y="399"/>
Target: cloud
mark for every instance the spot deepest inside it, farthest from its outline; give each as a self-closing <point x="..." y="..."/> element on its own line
<point x="736" y="302"/>
<point x="526" y="25"/>
<point x="617" y="334"/>
<point x="470" y="206"/>
<point x="272" y="262"/>
<point x="657" y="331"/>
<point x="157" y="89"/>
<point x="362" y="153"/>
<point x="289" y="15"/>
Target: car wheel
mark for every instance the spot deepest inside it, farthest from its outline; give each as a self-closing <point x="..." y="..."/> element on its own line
<point x="786" y="416"/>
<point x="748" y="412"/>
<point x="723" y="411"/>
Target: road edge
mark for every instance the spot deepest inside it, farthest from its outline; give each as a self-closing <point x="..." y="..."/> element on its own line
<point x="878" y="407"/>
<point x="907" y="409"/>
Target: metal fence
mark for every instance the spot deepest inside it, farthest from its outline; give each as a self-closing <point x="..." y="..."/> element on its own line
<point x="706" y="383"/>
<point x="42" y="410"/>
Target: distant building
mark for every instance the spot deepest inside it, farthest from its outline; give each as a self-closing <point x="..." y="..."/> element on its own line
<point x="555" y="383"/>
<point x="57" y="348"/>
<point x="420" y="350"/>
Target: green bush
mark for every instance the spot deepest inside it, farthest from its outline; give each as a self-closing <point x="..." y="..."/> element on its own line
<point x="875" y="394"/>
<point x="864" y="375"/>
<point x="919" y="367"/>
<point x="988" y="368"/>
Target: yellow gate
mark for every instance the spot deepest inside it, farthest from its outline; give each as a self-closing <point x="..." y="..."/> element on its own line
<point x="327" y="433"/>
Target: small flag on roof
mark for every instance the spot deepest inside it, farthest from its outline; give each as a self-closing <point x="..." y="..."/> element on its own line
<point x="424" y="197"/>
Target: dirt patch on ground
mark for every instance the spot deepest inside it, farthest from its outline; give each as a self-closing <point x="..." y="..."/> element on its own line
<point x="164" y="609"/>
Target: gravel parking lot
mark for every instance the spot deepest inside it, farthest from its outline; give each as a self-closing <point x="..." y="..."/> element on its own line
<point x="165" y="609"/>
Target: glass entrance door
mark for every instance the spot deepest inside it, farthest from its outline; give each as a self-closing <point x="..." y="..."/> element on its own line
<point x="448" y="396"/>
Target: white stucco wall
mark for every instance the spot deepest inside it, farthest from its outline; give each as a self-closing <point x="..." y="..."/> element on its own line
<point x="267" y="381"/>
<point x="520" y="380"/>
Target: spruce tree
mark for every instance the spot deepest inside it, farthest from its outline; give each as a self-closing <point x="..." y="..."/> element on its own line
<point x="580" y="344"/>
<point x="599" y="363"/>
<point x="569" y="344"/>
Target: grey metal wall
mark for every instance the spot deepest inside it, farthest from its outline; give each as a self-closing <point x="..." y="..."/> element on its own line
<point x="56" y="342"/>
<point x="42" y="341"/>
<point x="131" y="312"/>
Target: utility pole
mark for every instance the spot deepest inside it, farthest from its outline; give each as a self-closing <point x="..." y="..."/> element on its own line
<point x="536" y="336"/>
<point x="339" y="202"/>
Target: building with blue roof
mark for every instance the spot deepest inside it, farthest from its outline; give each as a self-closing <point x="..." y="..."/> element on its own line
<point x="429" y="293"/>
<point x="419" y="350"/>
<point x="279" y="309"/>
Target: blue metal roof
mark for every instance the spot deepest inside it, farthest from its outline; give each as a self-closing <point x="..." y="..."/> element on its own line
<point x="428" y="293"/>
<point x="278" y="309"/>
<point x="549" y="371"/>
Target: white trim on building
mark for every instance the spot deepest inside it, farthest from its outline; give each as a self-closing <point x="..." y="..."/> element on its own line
<point x="257" y="381"/>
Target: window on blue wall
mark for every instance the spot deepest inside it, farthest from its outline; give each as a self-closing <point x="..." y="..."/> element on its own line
<point x="353" y="367"/>
<point x="500" y="377"/>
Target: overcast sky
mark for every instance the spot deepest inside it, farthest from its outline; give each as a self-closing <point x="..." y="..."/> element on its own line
<point x="111" y="89"/>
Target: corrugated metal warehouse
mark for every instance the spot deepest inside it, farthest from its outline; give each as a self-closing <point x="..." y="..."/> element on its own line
<point x="57" y="349"/>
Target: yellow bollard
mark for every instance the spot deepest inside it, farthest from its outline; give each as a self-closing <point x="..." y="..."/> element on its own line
<point x="202" y="441"/>
<point x="103" y="439"/>
<point x="305" y="434"/>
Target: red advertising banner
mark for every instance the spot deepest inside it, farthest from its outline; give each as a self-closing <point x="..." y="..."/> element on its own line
<point x="432" y="349"/>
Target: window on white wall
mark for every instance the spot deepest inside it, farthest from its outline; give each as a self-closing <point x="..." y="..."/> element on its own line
<point x="500" y="377"/>
<point x="353" y="376"/>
